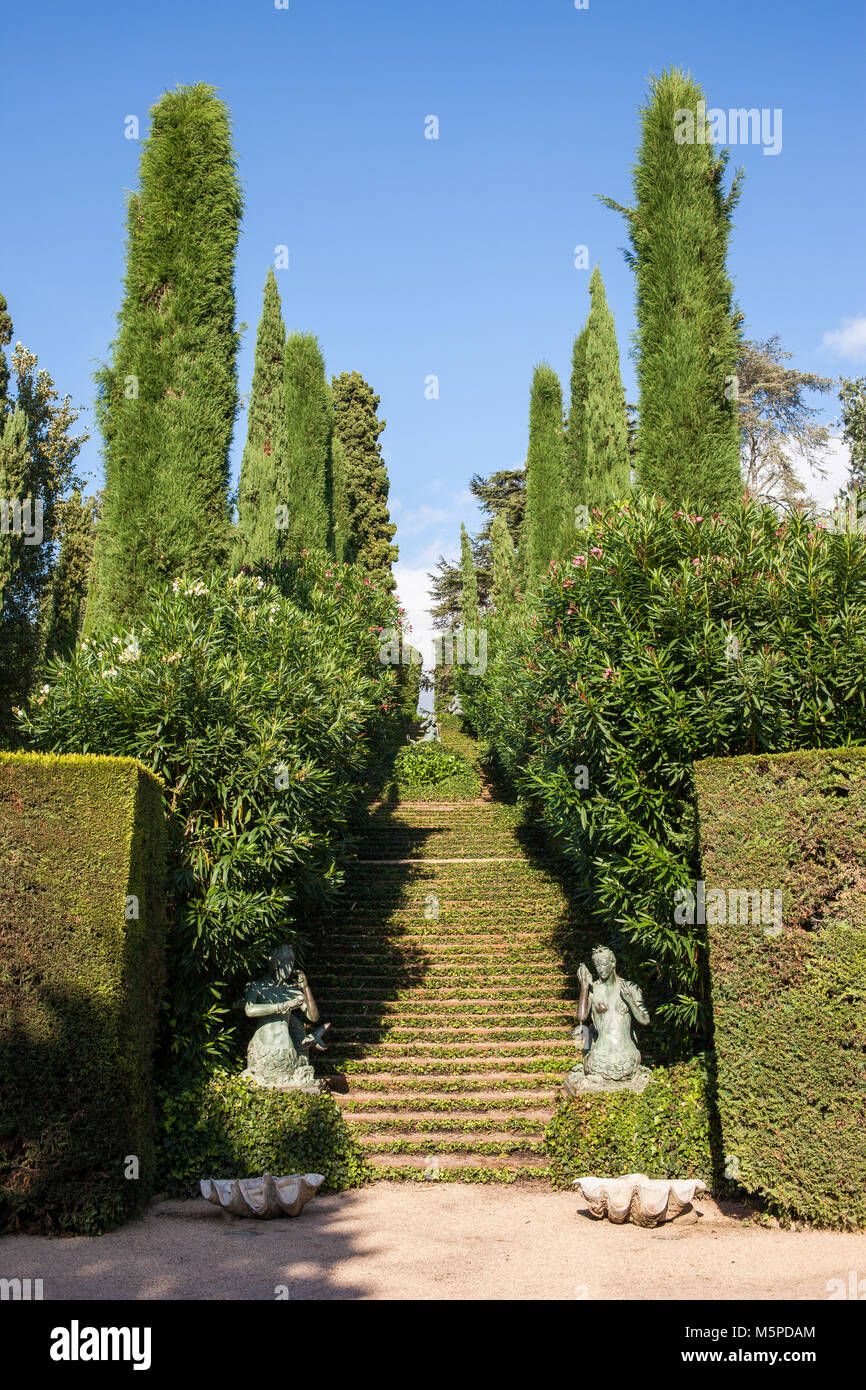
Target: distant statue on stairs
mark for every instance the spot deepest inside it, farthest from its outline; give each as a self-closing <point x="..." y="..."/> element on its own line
<point x="278" y="1054"/>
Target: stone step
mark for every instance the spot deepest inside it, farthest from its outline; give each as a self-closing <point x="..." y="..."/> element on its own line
<point x="459" y="1122"/>
<point x="453" y="1161"/>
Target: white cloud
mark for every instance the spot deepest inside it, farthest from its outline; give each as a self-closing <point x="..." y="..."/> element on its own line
<point x="836" y="460"/>
<point x="413" y="588"/>
<point x="849" y="340"/>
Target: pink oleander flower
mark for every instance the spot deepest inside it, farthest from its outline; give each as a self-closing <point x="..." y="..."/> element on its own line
<point x="579" y="560"/>
<point x="608" y="672"/>
<point x="596" y="551"/>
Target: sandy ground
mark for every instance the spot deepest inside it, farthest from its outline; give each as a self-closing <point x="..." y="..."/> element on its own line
<point x="419" y="1241"/>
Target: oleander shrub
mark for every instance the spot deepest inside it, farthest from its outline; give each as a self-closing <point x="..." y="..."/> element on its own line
<point x="82" y="931"/>
<point x="669" y="637"/>
<point x="260" y="701"/>
<point x="664" y="1132"/>
<point x="226" y="1126"/>
<point x="789" y="993"/>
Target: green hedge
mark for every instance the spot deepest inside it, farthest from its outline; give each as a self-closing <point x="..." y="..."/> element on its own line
<point x="789" y="1007"/>
<point x="80" y="977"/>
<point x="228" y="1127"/>
<point x="663" y="1132"/>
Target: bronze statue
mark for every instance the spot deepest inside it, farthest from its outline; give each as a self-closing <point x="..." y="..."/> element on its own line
<point x="610" y="1061"/>
<point x="276" y="1054"/>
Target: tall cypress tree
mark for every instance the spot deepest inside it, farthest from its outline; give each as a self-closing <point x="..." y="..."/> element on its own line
<point x="342" y="518"/>
<point x="357" y="426"/>
<point x="574" y="445"/>
<point x="168" y="397"/>
<point x="687" y="333"/>
<point x="545" y="504"/>
<point x="306" y="482"/>
<point x="67" y="591"/>
<point x="504" y="566"/>
<point x="265" y="451"/>
<point x="605" y="423"/>
<point x="468" y="583"/>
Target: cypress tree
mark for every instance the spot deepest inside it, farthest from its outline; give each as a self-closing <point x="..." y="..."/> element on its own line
<point x="65" y="600"/>
<point x="357" y="426"/>
<point x="342" y="519"/>
<point x="504" y="565"/>
<point x="604" y="419"/>
<point x="305" y="482"/>
<point x="687" y="333"/>
<point x="168" y="397"/>
<point x="546" y="507"/>
<point x="265" y="450"/>
<point x="468" y="583"/>
<point x="574" y="446"/>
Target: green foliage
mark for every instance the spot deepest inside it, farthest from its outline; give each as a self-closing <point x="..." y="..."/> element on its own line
<point x="37" y="464"/>
<point x="606" y="454"/>
<point x="663" y="1132"/>
<point x="342" y="515"/>
<point x="673" y="637"/>
<point x="575" y="433"/>
<point x="788" y="1005"/>
<point x="426" y="764"/>
<point x="852" y="394"/>
<point x="305" y="485"/>
<point x="434" y="771"/>
<point x="82" y="927"/>
<point x="468" y="583"/>
<point x="67" y="590"/>
<point x="264" y="457"/>
<point x="261" y="702"/>
<point x="504" y="589"/>
<point x="545" y="501"/>
<point x="168" y="397"/>
<point x="357" y="426"/>
<point x="227" y="1126"/>
<point x="687" y="334"/>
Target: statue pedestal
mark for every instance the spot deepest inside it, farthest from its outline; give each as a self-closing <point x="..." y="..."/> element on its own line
<point x="311" y="1088"/>
<point x="577" y="1083"/>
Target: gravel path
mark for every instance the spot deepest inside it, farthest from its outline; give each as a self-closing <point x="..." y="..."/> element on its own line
<point x="423" y="1241"/>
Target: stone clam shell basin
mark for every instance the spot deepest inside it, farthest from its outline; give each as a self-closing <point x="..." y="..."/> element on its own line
<point x="265" y="1197"/>
<point x="643" y="1201"/>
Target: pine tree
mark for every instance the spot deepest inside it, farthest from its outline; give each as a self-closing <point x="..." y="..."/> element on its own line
<point x="265" y="451"/>
<point x="469" y="583"/>
<point x="687" y="333"/>
<point x="357" y="426"/>
<point x="168" y="397"/>
<point x="504" y="566"/>
<point x="605" y="424"/>
<point x="306" y="481"/>
<point x="546" y="507"/>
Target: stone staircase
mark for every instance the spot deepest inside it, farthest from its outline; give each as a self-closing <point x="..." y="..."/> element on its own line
<point x="451" y="1003"/>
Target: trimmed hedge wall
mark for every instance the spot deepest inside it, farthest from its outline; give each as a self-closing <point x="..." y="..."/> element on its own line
<point x="788" y="1008"/>
<point x="81" y="837"/>
<point x="663" y="1132"/>
<point x="228" y="1127"/>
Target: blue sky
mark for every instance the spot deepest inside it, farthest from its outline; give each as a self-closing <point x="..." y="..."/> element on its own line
<point x="412" y="257"/>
